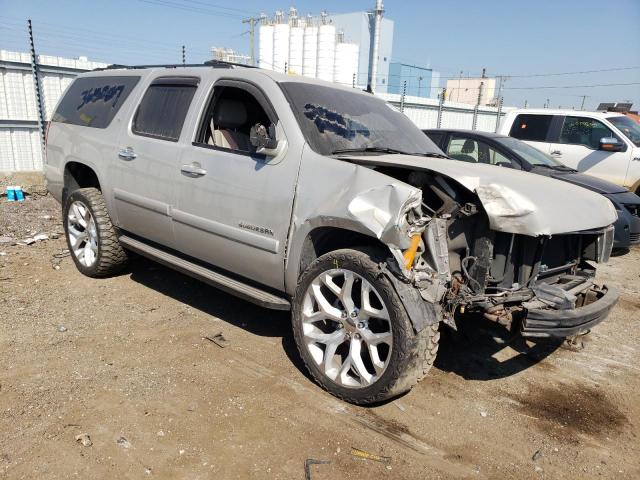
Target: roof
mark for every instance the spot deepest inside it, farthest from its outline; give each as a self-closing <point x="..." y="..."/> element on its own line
<point x="564" y="111"/>
<point x="478" y="133"/>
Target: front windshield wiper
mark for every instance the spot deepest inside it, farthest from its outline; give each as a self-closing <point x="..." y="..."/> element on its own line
<point x="392" y="151"/>
<point x="562" y="168"/>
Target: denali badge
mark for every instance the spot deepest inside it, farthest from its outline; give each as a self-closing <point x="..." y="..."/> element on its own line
<point x="256" y="228"/>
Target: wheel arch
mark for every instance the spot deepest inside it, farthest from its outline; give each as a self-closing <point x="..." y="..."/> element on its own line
<point x="78" y="175"/>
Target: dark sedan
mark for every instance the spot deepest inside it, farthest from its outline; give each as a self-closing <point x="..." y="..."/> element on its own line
<point x="502" y="151"/>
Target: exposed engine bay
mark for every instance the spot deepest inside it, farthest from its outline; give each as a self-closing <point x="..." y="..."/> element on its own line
<point x="531" y="284"/>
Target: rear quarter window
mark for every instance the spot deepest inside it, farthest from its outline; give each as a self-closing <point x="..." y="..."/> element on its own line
<point x="531" y="127"/>
<point x="94" y="101"/>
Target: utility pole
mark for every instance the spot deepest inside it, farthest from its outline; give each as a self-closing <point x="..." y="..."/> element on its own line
<point x="459" y="83"/>
<point x="475" y="110"/>
<point x="499" y="113"/>
<point x="404" y="92"/>
<point x="36" y="83"/>
<point x="584" y="97"/>
<point x="419" y="84"/>
<point x="443" y="95"/>
<point x="526" y="102"/>
<point x="252" y="36"/>
<point x="184" y="57"/>
<point x="373" y="64"/>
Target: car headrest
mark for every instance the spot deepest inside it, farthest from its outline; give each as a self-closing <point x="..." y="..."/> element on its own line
<point x="230" y="113"/>
<point x="469" y="146"/>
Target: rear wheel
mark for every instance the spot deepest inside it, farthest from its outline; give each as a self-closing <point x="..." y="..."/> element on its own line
<point x="91" y="236"/>
<point x="353" y="332"/>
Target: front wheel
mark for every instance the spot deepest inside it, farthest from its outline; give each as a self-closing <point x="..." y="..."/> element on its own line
<point x="353" y="332"/>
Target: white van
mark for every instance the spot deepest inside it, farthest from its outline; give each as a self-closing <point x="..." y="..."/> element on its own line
<point x="602" y="144"/>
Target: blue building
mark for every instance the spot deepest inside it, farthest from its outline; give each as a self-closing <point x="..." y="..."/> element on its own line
<point x="358" y="28"/>
<point x="421" y="82"/>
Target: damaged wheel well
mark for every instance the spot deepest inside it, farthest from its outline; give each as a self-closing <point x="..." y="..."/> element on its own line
<point x="78" y="175"/>
<point x="327" y="239"/>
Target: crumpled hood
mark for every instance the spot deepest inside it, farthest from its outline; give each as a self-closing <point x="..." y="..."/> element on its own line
<point x="515" y="201"/>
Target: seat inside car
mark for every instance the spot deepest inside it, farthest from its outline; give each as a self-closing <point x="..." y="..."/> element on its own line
<point x="229" y="116"/>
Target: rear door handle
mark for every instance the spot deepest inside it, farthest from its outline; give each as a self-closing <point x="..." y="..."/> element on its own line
<point x="556" y="152"/>
<point x="127" y="153"/>
<point x="193" y="169"/>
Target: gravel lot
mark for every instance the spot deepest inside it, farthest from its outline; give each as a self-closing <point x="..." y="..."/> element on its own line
<point x="123" y="362"/>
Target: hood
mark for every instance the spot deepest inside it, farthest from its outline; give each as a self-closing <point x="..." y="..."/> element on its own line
<point x="515" y="201"/>
<point x="586" y="181"/>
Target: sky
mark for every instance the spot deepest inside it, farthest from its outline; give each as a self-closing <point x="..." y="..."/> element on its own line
<point x="535" y="44"/>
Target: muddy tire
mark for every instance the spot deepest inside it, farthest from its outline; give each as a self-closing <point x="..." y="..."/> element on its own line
<point x="91" y="237"/>
<point x="352" y="331"/>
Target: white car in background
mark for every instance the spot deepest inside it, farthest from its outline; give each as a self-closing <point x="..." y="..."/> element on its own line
<point x="602" y="144"/>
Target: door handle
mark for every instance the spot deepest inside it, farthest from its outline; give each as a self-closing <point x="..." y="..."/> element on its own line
<point x="193" y="169"/>
<point x="556" y="152"/>
<point x="127" y="153"/>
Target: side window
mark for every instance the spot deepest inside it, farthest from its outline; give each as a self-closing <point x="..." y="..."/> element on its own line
<point x="163" y="108"/>
<point x="436" y="137"/>
<point x="464" y="149"/>
<point x="584" y="131"/>
<point x="488" y="154"/>
<point x="229" y="117"/>
<point x="531" y="127"/>
<point x="94" y="101"/>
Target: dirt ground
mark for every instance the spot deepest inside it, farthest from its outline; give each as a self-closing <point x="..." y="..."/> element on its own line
<point x="123" y="360"/>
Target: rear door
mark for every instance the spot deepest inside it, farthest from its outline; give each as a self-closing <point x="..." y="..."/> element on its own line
<point x="577" y="145"/>
<point x="534" y="129"/>
<point x="148" y="149"/>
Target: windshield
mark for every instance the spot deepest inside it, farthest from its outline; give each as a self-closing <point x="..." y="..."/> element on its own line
<point x="532" y="155"/>
<point x="630" y="128"/>
<point x="334" y="121"/>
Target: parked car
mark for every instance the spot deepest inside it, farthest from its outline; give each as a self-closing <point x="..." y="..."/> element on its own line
<point x="603" y="144"/>
<point x="300" y="195"/>
<point x="495" y="149"/>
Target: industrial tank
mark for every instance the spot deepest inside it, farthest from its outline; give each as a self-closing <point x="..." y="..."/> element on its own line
<point x="296" y="48"/>
<point x="265" y="50"/>
<point x="346" y="63"/>
<point x="326" y="52"/>
<point x="310" y="55"/>
<point x="280" y="47"/>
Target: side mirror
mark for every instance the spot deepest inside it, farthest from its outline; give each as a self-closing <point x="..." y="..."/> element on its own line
<point x="263" y="139"/>
<point x="611" y="144"/>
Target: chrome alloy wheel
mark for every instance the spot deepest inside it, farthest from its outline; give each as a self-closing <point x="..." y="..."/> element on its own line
<point x="83" y="235"/>
<point x="346" y="328"/>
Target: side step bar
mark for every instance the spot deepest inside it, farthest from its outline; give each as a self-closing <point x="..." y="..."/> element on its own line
<point x="230" y="285"/>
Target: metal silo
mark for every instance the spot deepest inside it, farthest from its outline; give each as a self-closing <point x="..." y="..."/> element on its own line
<point x="346" y="63"/>
<point x="326" y="50"/>
<point x="296" y="43"/>
<point x="265" y="48"/>
<point x="280" y="44"/>
<point x="310" y="55"/>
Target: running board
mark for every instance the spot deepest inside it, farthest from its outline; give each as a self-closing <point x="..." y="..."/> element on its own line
<point x="222" y="282"/>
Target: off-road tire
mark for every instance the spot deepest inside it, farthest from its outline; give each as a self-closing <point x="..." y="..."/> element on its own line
<point x="412" y="355"/>
<point x="111" y="257"/>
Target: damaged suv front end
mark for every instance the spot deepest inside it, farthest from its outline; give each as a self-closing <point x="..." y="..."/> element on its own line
<point x="519" y="248"/>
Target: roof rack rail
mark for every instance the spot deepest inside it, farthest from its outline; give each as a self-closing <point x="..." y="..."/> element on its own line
<point x="209" y="63"/>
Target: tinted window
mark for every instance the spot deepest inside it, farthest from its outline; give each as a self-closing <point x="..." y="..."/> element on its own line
<point x="162" y="111"/>
<point x="333" y="119"/>
<point x="583" y="131"/>
<point x="94" y="101"/>
<point x="531" y="127"/>
<point x="435" y="136"/>
<point x="472" y="150"/>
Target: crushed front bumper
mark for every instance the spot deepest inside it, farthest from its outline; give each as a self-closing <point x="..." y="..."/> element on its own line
<point x="549" y="322"/>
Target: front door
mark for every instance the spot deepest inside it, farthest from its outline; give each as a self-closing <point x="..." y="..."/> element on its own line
<point x="234" y="206"/>
<point x="578" y="147"/>
<point x="144" y="173"/>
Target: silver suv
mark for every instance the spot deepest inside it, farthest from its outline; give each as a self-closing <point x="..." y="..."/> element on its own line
<point x="300" y="195"/>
